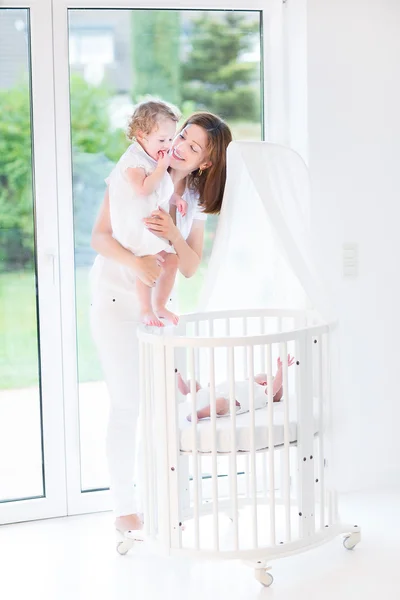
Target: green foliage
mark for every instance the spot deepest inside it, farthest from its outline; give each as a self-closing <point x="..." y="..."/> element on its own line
<point x="156" y="49"/>
<point x="214" y="76"/>
<point x="90" y="121"/>
<point x="91" y="136"/>
<point x="16" y="210"/>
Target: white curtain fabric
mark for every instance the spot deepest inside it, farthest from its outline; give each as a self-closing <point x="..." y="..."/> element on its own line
<point x="262" y="254"/>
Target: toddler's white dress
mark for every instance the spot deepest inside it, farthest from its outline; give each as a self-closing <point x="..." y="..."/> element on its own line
<point x="128" y="209"/>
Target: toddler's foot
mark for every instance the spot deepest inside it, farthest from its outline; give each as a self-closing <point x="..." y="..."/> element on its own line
<point x="163" y="313"/>
<point x="149" y="318"/>
<point x="129" y="523"/>
<point x="222" y="406"/>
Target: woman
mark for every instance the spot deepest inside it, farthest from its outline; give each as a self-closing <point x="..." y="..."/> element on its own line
<point x="198" y="172"/>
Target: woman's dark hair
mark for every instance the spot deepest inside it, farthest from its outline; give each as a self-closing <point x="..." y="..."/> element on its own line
<point x="211" y="183"/>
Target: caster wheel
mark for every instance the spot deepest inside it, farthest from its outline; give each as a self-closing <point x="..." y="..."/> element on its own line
<point x="264" y="577"/>
<point x="351" y="541"/>
<point x="124" y="546"/>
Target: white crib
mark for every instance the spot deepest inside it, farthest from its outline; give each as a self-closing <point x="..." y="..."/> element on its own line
<point x="253" y="486"/>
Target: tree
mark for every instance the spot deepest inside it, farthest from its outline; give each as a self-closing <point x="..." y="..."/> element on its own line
<point x="95" y="147"/>
<point x="16" y="206"/>
<point x="156" y="54"/>
<point x="216" y="79"/>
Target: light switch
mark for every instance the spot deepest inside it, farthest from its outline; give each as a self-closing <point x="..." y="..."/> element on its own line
<point x="350" y="260"/>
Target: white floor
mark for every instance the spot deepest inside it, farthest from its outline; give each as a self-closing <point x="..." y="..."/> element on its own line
<point x="74" y="558"/>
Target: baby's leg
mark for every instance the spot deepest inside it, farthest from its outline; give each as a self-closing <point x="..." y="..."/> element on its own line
<point x="222" y="409"/>
<point x="146" y="311"/>
<point x="184" y="386"/>
<point x="164" y="286"/>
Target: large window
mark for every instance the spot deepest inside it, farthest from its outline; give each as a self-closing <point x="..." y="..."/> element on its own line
<point x="21" y="458"/>
<point x="199" y="61"/>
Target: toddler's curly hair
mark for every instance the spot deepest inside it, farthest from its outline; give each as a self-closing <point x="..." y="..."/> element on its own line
<point x="147" y="115"/>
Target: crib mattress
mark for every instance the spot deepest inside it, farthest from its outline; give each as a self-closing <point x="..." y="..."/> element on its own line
<point x="243" y="440"/>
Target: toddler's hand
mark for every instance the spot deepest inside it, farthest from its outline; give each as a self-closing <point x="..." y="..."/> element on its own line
<point x="164" y="159"/>
<point x="181" y="206"/>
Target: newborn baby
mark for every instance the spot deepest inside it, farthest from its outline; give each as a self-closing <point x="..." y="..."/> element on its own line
<point x="260" y="387"/>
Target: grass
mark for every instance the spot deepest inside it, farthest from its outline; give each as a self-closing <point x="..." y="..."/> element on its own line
<point x="246" y="131"/>
<point x="19" y="332"/>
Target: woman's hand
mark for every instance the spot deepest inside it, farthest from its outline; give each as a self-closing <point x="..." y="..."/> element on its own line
<point x="148" y="268"/>
<point x="161" y="224"/>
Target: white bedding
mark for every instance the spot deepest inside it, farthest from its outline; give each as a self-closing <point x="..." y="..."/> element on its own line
<point x="204" y="430"/>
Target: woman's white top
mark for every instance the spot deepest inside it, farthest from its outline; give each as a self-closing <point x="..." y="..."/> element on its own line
<point x="128" y="208"/>
<point x="107" y="274"/>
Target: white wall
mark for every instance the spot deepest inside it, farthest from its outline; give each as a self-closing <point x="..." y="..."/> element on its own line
<point x="353" y="99"/>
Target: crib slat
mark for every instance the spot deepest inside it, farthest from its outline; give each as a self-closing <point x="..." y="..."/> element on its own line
<point x="321" y="450"/>
<point x="227" y="327"/>
<point x="197" y="351"/>
<point x="214" y="450"/>
<point x="173" y="449"/>
<point x="286" y="443"/>
<point x="160" y="395"/>
<point x="233" y="461"/>
<point x="271" y="447"/>
<point x="150" y="460"/>
<point x="195" y="457"/>
<point x="306" y="437"/>
<point x="265" y="474"/>
<point x="144" y="378"/>
<point x="244" y="349"/>
<point x="253" y="447"/>
<point x="211" y="328"/>
<point x="262" y="347"/>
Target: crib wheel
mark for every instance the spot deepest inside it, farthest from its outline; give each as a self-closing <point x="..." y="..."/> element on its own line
<point x="124" y="544"/>
<point x="124" y="547"/>
<point x="351" y="541"/>
<point x="264" y="577"/>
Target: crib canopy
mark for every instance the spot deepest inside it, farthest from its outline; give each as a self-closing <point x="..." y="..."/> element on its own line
<point x="262" y="254"/>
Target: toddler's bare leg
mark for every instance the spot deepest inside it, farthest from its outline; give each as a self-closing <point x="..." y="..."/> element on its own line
<point x="146" y="311"/>
<point x="164" y="286"/>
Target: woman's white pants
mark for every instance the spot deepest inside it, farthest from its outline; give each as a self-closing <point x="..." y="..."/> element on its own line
<point x="114" y="319"/>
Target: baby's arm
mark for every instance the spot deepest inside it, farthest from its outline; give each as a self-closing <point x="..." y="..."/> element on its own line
<point x="277" y="383"/>
<point x="143" y="184"/>
<point x="180" y="203"/>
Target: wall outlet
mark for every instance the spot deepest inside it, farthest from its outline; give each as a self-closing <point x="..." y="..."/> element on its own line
<point x="350" y="261"/>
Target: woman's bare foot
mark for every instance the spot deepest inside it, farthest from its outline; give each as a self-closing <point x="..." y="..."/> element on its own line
<point x="222" y="406"/>
<point x="163" y="313"/>
<point x="149" y="318"/>
<point x="129" y="523"/>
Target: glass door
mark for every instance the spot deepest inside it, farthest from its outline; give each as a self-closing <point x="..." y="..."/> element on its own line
<point x="197" y="59"/>
<point x="32" y="471"/>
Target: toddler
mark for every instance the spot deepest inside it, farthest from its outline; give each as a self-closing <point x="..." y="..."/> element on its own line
<point x="241" y="393"/>
<point x="141" y="182"/>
